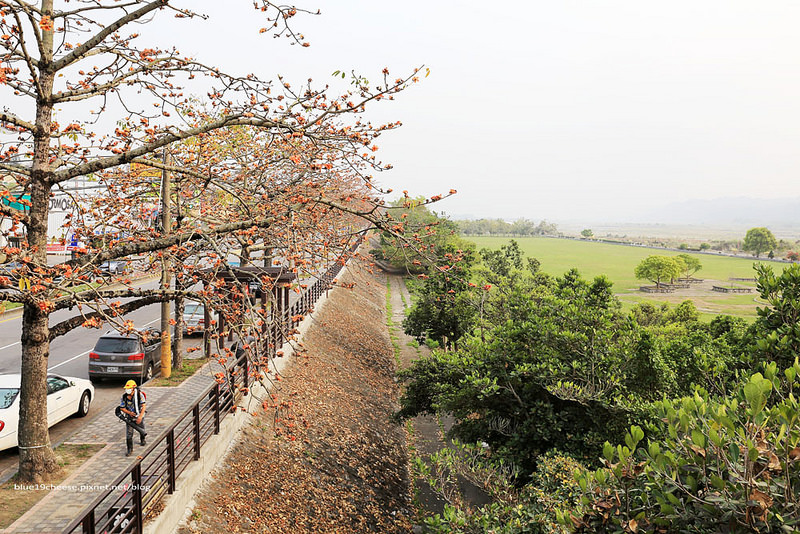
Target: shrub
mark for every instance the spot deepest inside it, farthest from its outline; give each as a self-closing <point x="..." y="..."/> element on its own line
<point x="531" y="510"/>
<point x="722" y="465"/>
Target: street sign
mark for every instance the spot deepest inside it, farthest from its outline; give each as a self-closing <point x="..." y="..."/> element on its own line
<point x="16" y="204"/>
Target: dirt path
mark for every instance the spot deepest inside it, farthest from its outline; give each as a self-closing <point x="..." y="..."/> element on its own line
<point x="426" y="435"/>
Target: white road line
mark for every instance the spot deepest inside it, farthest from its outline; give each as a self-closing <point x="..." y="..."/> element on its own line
<point x="7" y="346"/>
<point x="74" y="357"/>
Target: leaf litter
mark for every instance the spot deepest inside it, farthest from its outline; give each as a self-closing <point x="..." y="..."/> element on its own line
<point x="325" y="457"/>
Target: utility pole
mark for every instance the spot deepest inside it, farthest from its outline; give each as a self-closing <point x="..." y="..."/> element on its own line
<point x="166" y="224"/>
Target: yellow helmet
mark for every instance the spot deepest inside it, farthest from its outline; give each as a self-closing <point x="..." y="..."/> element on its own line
<point x="130" y="384"/>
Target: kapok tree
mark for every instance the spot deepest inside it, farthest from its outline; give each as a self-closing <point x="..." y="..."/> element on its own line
<point x="83" y="97"/>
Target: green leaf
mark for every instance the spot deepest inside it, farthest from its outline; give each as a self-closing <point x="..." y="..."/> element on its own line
<point x="637" y="433"/>
<point x="755" y="397"/>
<point x="713" y="435"/>
<point x="608" y="452"/>
<point x="600" y="476"/>
<point x="698" y="438"/>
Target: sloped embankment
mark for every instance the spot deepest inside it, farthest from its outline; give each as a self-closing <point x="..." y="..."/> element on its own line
<point x="327" y="459"/>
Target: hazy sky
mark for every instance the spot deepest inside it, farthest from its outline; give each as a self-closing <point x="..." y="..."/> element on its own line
<point x="558" y="110"/>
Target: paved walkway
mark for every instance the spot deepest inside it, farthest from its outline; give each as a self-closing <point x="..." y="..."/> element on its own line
<point x="63" y="504"/>
<point x="66" y="502"/>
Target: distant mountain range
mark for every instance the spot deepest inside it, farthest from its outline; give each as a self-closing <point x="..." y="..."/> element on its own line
<point x="718" y="218"/>
<point x="734" y="211"/>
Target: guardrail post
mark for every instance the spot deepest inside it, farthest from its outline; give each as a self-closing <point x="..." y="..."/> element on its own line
<point x="196" y="424"/>
<point x="88" y="522"/>
<point x="171" y="461"/>
<point x="136" y="475"/>
<point x="243" y="365"/>
<point x="285" y="307"/>
<point x="216" y="408"/>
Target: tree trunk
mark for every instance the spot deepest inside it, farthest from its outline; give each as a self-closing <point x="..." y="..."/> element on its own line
<point x="36" y="457"/>
<point x="177" y="344"/>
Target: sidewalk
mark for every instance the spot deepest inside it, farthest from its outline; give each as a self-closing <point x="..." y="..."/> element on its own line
<point x="61" y="506"/>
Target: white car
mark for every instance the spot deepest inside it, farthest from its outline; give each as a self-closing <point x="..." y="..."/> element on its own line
<point x="65" y="396"/>
<point x="194" y="317"/>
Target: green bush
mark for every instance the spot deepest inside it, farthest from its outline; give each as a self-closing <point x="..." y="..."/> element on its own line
<point x="530" y="510"/>
<point x="723" y="465"/>
<point x="431" y="343"/>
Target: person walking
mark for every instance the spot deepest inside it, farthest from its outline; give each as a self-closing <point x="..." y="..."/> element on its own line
<point x="133" y="404"/>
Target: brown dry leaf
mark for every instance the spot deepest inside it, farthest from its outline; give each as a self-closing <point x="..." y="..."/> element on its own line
<point x="326" y="458"/>
<point x="763" y="499"/>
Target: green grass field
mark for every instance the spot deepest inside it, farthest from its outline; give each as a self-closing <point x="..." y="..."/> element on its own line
<point x="618" y="262"/>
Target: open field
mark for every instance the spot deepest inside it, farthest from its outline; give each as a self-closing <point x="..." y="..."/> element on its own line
<point x="618" y="262"/>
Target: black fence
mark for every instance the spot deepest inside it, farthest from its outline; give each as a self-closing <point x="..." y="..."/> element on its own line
<point x="288" y="317"/>
<point x="134" y="496"/>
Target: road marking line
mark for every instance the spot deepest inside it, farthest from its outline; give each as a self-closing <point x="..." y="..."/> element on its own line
<point x="15" y="343"/>
<point x="11" y="318"/>
<point x="74" y="357"/>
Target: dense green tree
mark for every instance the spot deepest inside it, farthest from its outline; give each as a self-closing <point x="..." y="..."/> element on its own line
<point x="648" y="314"/>
<point x="538" y="378"/>
<point x="443" y="309"/>
<point x="759" y="240"/>
<point x="722" y="465"/>
<point x="520" y="227"/>
<point x="587" y="233"/>
<point x="658" y="268"/>
<point x="778" y="323"/>
<point x="691" y="264"/>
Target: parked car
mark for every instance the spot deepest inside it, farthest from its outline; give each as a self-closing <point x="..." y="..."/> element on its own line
<point x="65" y="396"/>
<point x="194" y="318"/>
<point x="136" y="355"/>
<point x="114" y="267"/>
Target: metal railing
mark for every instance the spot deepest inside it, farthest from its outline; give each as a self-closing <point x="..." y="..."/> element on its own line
<point x="127" y="502"/>
<point x="131" y="497"/>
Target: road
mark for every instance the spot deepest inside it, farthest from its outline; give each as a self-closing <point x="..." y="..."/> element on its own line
<point x="69" y="356"/>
